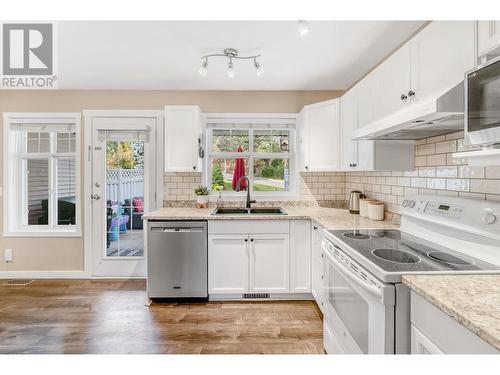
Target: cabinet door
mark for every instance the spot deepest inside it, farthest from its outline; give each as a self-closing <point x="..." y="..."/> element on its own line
<point x="182" y="134"/>
<point x="321" y="132"/>
<point x="347" y="126"/>
<point x="317" y="266"/>
<point x="366" y="95"/>
<point x="227" y="264"/>
<point x="421" y="344"/>
<point x="269" y="263"/>
<point x="440" y="55"/>
<point x="488" y="36"/>
<point x="300" y="256"/>
<point x="392" y="79"/>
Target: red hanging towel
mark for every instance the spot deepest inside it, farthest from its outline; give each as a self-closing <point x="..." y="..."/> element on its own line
<point x="239" y="171"/>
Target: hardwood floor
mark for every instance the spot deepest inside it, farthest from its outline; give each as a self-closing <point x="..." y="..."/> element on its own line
<point x="110" y="316"/>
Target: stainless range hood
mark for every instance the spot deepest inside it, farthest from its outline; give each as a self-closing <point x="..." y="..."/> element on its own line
<point x="435" y="116"/>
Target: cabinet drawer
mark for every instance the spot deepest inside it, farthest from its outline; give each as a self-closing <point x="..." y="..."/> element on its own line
<point x="248" y="226"/>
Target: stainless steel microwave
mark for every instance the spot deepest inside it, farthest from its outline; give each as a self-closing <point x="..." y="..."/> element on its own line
<point x="482" y="104"/>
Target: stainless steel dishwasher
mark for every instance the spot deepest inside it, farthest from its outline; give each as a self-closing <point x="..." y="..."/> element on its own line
<point x="177" y="259"/>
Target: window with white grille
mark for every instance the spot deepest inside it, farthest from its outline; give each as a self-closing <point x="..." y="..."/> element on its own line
<point x="262" y="149"/>
<point x="41" y="173"/>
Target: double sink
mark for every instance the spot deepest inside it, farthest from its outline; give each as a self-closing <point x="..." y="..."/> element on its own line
<point x="249" y="211"/>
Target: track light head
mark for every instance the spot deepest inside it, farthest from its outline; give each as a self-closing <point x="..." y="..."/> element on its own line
<point x="230" y="69"/>
<point x="304" y="28"/>
<point x="203" y="71"/>
<point x="259" y="70"/>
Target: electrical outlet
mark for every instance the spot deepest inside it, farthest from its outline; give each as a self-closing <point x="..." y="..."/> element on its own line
<point x="7" y="255"/>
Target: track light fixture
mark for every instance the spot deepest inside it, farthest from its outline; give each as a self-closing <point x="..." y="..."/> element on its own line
<point x="230" y="53"/>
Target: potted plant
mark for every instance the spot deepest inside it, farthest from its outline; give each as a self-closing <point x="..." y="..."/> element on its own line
<point x="201" y="196"/>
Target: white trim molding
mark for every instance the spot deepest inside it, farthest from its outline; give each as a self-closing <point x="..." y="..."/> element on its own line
<point x="11" y="201"/>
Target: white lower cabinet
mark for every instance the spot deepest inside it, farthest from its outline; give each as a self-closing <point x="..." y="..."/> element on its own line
<point x="267" y="256"/>
<point x="421" y="344"/>
<point x="317" y="266"/>
<point x="435" y="332"/>
<point x="227" y="264"/>
<point x="269" y="263"/>
<point x="300" y="256"/>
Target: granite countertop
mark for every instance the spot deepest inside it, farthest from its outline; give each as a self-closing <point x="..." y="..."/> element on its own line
<point x="472" y="300"/>
<point x="329" y="218"/>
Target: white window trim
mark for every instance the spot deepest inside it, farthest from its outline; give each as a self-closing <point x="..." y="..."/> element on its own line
<point x="274" y="119"/>
<point x="10" y="203"/>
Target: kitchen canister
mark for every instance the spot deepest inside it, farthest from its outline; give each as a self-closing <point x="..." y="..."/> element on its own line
<point x="363" y="206"/>
<point x="376" y="210"/>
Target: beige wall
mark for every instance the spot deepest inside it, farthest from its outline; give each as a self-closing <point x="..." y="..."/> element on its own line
<point x="59" y="254"/>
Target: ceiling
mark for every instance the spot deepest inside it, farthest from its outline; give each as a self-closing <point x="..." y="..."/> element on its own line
<point x="165" y="55"/>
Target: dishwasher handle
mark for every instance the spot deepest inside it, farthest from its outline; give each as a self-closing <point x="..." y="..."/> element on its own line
<point x="177" y="230"/>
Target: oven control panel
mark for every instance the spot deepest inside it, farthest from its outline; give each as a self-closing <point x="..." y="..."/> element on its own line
<point x="474" y="215"/>
<point x="453" y="211"/>
<point x="443" y="209"/>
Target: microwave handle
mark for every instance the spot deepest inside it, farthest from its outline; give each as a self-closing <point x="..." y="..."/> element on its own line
<point x="370" y="289"/>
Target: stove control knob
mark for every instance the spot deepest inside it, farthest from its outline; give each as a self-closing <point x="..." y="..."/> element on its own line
<point x="411" y="204"/>
<point x="405" y="203"/>
<point x="489" y="217"/>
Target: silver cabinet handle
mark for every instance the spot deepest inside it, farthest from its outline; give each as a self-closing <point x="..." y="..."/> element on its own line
<point x="404" y="97"/>
<point x="95" y="196"/>
<point x="411" y="93"/>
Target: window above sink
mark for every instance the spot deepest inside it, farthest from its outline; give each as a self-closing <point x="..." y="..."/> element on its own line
<point x="261" y="147"/>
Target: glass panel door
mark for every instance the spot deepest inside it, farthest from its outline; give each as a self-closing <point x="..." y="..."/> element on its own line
<point x="124" y="198"/>
<point x="123" y="188"/>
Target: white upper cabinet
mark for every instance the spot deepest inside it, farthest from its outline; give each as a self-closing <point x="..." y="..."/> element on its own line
<point x="432" y="62"/>
<point x="439" y="57"/>
<point x="183" y="134"/>
<point x="365" y="100"/>
<point x="488" y="38"/>
<point x="369" y="155"/>
<point x="392" y="78"/>
<point x="319" y="136"/>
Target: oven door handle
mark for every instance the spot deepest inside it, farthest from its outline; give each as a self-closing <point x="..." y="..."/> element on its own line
<point x="370" y="289"/>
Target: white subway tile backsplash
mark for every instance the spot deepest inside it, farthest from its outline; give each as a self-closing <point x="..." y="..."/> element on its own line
<point x="446" y="147"/>
<point x="436" y="183"/>
<point x="485" y="186"/>
<point x="457" y="184"/>
<point x="493" y="172"/>
<point x="437" y="172"/>
<point x="450" y="172"/>
<point x="427" y="172"/>
<point x="464" y="171"/>
<point x="418" y="182"/>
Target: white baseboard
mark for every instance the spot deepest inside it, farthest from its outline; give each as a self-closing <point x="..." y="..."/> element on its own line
<point x="58" y="275"/>
<point x="44" y="275"/>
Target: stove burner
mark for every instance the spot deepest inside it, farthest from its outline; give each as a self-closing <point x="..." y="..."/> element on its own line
<point x="392" y="234"/>
<point x="356" y="235"/>
<point x="448" y="258"/>
<point x="396" y="256"/>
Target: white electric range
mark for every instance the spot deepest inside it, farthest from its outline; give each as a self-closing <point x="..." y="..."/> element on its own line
<point x="367" y="308"/>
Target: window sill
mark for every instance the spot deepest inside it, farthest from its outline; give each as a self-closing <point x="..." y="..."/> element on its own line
<point x="48" y="233"/>
<point x="260" y="197"/>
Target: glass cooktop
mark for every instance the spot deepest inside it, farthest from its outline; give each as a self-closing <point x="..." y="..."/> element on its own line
<point x="397" y="252"/>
